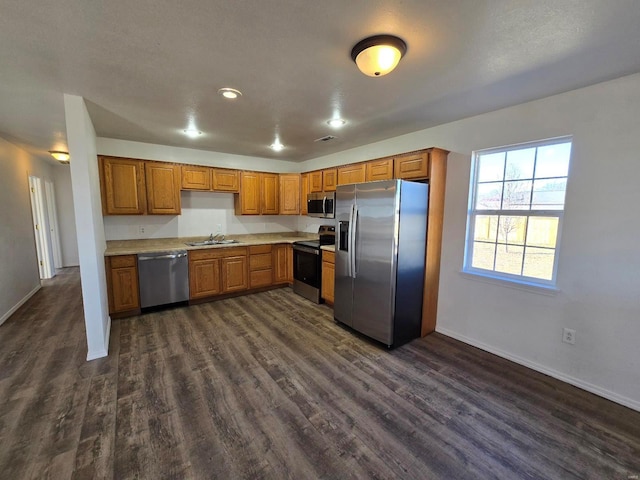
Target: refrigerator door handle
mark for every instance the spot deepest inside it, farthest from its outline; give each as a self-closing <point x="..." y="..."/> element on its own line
<point x="349" y="243"/>
<point x="354" y="235"/>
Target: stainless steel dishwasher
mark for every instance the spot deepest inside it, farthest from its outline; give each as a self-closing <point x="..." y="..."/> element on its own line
<point x="164" y="278"/>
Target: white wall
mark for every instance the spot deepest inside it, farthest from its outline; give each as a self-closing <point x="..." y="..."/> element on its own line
<point x="66" y="218"/>
<point x="599" y="258"/>
<point x="19" y="277"/>
<point x="81" y="138"/>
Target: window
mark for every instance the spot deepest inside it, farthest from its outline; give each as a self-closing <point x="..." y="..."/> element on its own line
<point x="515" y="211"/>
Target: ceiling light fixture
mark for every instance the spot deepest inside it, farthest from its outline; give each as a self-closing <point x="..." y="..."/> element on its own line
<point x="230" y="93"/>
<point x="378" y="55"/>
<point x="277" y="146"/>
<point x="336" y="122"/>
<point x="192" y="133"/>
<point x="59" y="155"/>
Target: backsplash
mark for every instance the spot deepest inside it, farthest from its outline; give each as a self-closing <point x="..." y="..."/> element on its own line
<point x="202" y="213"/>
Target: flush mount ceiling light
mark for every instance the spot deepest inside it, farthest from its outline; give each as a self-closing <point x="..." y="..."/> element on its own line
<point x="230" y="93"/>
<point x="277" y="146"/>
<point x="59" y="155"/>
<point x="378" y="55"/>
<point x="336" y="122"/>
<point x="192" y="133"/>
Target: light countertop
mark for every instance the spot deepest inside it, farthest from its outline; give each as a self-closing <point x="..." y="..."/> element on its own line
<point x="133" y="247"/>
<point x="328" y="248"/>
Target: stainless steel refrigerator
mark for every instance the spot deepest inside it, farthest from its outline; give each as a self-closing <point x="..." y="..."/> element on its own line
<point x="381" y="232"/>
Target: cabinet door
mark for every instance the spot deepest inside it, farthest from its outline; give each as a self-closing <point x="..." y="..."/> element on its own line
<point x="289" y="249"/>
<point x="122" y="186"/>
<point x="329" y="179"/>
<point x="379" y="170"/>
<point x="204" y="278"/>
<point x="195" y="178"/>
<point x="315" y="181"/>
<point x="281" y="263"/>
<point x="122" y="277"/>
<point x="234" y="274"/>
<point x="304" y="191"/>
<point x="328" y="281"/>
<point x="412" y="166"/>
<point x="163" y="188"/>
<point x="351" y="174"/>
<point x="289" y="194"/>
<point x="269" y="194"/>
<point x="248" y="200"/>
<point x="226" y="180"/>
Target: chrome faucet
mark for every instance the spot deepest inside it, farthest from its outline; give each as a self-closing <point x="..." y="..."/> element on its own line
<point x="218" y="237"/>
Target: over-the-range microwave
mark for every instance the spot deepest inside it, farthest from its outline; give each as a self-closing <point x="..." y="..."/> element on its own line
<point x="321" y="205"/>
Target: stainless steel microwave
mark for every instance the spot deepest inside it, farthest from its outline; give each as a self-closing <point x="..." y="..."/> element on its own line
<point x="321" y="205"/>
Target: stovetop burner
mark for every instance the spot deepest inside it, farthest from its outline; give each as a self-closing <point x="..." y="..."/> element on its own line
<point x="327" y="235"/>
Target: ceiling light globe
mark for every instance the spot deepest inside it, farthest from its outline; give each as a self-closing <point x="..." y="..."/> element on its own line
<point x="377" y="56"/>
<point x="59" y="155"/>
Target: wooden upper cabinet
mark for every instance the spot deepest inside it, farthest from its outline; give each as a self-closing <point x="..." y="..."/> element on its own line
<point x="225" y="180"/>
<point x="195" y="178"/>
<point x="269" y="194"/>
<point x="351" y="174"/>
<point x="289" y="194"/>
<point x="329" y="179"/>
<point x="163" y="188"/>
<point x="412" y="166"/>
<point x="304" y="191"/>
<point x="379" y="170"/>
<point x="122" y="183"/>
<point x="248" y="200"/>
<point x="315" y="181"/>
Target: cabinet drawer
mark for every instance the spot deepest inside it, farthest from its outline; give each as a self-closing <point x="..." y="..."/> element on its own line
<point x="253" y="249"/>
<point x="328" y="256"/>
<point x="260" y="261"/>
<point x="122" y="261"/>
<point x="216" y="253"/>
<point x="261" y="278"/>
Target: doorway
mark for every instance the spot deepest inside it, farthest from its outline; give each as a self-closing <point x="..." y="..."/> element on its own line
<point x="41" y="231"/>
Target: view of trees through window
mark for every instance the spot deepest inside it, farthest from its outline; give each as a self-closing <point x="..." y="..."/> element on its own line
<point x="516" y="210"/>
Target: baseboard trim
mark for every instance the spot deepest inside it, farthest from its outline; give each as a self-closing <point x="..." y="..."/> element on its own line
<point x="103" y="352"/>
<point x="576" y="382"/>
<point x="6" y="316"/>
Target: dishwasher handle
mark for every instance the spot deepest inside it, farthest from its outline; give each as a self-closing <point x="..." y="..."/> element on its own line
<point x="169" y="256"/>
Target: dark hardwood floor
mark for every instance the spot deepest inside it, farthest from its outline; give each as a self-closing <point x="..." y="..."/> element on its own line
<point x="268" y="386"/>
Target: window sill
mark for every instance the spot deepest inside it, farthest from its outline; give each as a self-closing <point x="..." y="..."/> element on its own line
<point x="518" y="285"/>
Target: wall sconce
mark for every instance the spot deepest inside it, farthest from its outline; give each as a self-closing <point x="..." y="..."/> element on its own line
<point x="378" y="55"/>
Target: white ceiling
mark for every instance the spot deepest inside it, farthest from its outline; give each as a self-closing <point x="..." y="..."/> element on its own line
<point x="147" y="67"/>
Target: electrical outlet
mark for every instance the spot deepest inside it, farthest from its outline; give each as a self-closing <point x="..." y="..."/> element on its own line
<point x="219" y="228"/>
<point x="141" y="229"/>
<point x="569" y="336"/>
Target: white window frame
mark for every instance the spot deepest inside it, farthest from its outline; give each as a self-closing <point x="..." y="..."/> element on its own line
<point x="472" y="212"/>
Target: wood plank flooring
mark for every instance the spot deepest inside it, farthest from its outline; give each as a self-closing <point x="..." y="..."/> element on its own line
<point x="268" y="386"/>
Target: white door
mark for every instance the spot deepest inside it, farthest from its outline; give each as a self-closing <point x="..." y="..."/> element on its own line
<point x="40" y="228"/>
<point x="53" y="223"/>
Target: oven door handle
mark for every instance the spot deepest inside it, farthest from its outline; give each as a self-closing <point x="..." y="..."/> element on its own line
<point x="299" y="248"/>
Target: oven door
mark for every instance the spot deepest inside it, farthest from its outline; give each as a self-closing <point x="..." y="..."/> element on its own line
<point x="307" y="272"/>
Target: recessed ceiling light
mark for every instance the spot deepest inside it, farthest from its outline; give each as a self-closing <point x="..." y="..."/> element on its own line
<point x="277" y="146"/>
<point x="230" y="93"/>
<point x="192" y="133"/>
<point x="336" y="122"/>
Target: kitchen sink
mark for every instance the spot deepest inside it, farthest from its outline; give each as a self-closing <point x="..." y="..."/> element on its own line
<point x="211" y="242"/>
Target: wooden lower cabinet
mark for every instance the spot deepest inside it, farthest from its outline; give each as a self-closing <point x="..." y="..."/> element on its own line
<point x="216" y="271"/>
<point x="260" y="266"/>
<point x="327" y="290"/>
<point x="282" y="263"/>
<point x="234" y="274"/>
<point x="122" y="283"/>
